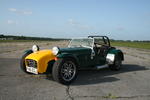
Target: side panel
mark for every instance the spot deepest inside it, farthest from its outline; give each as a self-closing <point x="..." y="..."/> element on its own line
<point x="83" y="59"/>
<point x="99" y="60"/>
<point x="82" y="54"/>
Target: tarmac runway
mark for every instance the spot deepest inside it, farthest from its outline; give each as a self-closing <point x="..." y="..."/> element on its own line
<point x="132" y="82"/>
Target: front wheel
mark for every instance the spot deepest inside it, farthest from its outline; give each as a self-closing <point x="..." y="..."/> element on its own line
<point x="22" y="61"/>
<point x="64" y="70"/>
<point x="117" y="64"/>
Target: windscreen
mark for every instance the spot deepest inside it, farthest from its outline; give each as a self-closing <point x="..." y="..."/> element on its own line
<point x="86" y="42"/>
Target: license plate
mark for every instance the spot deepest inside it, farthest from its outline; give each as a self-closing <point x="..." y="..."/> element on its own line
<point x="32" y="70"/>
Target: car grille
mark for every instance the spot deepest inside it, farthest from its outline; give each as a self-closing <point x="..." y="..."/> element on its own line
<point x="31" y="63"/>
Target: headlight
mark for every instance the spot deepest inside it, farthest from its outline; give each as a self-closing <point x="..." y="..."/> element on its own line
<point x="55" y="50"/>
<point x="35" y="48"/>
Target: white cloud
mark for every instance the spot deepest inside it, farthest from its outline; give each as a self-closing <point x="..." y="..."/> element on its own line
<point x="12" y="22"/>
<point x="27" y="12"/>
<point x="120" y="28"/>
<point x="78" y="25"/>
<point x="24" y="12"/>
<point x="12" y="9"/>
<point x="72" y="22"/>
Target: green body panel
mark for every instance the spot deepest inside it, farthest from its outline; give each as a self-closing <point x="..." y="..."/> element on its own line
<point x="114" y="51"/>
<point x="68" y="55"/>
<point x="76" y="50"/>
<point x="82" y="56"/>
<point x="99" y="60"/>
<point x="28" y="51"/>
<point x="117" y="52"/>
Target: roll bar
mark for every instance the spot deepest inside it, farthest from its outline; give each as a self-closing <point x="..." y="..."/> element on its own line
<point x="92" y="36"/>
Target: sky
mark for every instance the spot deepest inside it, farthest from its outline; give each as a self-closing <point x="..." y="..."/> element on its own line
<point x="117" y="19"/>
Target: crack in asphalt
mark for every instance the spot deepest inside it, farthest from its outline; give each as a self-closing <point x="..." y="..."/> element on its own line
<point x="69" y="97"/>
<point x="136" y="96"/>
<point x="117" y="97"/>
<point x="38" y="76"/>
<point x="68" y="93"/>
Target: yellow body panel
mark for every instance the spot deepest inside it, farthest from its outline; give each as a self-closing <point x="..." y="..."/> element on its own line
<point x="42" y="57"/>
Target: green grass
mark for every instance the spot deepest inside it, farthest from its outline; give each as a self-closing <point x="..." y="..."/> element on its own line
<point x="142" y="45"/>
<point x="110" y="96"/>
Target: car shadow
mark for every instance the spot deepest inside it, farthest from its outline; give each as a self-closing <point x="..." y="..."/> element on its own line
<point x="87" y="77"/>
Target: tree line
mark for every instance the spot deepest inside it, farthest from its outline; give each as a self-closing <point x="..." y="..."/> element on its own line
<point x="12" y="37"/>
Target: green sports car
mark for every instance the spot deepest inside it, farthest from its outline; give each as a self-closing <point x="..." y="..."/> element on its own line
<point x="93" y="52"/>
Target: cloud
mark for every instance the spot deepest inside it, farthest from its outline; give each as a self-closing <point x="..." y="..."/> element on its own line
<point x="12" y="22"/>
<point x="12" y="9"/>
<point x="23" y="12"/>
<point x="120" y="28"/>
<point x="72" y="22"/>
<point x="78" y="25"/>
<point x="27" y="12"/>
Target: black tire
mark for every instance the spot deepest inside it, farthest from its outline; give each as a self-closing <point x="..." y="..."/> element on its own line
<point x="22" y="62"/>
<point x="117" y="64"/>
<point x="65" y="70"/>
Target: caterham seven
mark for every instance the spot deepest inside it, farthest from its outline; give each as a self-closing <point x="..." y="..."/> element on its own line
<point x="93" y="52"/>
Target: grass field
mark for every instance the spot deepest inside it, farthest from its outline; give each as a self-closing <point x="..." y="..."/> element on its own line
<point x="142" y="45"/>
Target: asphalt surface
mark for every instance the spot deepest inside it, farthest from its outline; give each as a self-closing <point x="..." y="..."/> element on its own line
<point x="132" y="82"/>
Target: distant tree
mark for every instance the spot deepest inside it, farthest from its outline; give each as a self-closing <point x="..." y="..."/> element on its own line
<point x="1" y="35"/>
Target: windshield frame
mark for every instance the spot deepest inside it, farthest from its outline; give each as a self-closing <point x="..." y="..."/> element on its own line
<point x="82" y="46"/>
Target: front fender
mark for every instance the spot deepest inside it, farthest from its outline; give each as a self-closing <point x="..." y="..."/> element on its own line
<point x="42" y="58"/>
<point x="28" y="51"/>
<point x="68" y="55"/>
<point x="117" y="52"/>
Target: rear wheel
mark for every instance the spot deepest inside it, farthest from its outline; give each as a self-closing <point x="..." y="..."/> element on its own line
<point x="117" y="64"/>
<point x="22" y="62"/>
<point x="64" y="70"/>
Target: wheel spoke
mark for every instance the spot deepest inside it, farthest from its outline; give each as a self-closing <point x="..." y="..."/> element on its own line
<point x="68" y="70"/>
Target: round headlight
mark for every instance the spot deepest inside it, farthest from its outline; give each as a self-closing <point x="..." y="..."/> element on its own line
<point x="35" y="48"/>
<point x="55" y="50"/>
